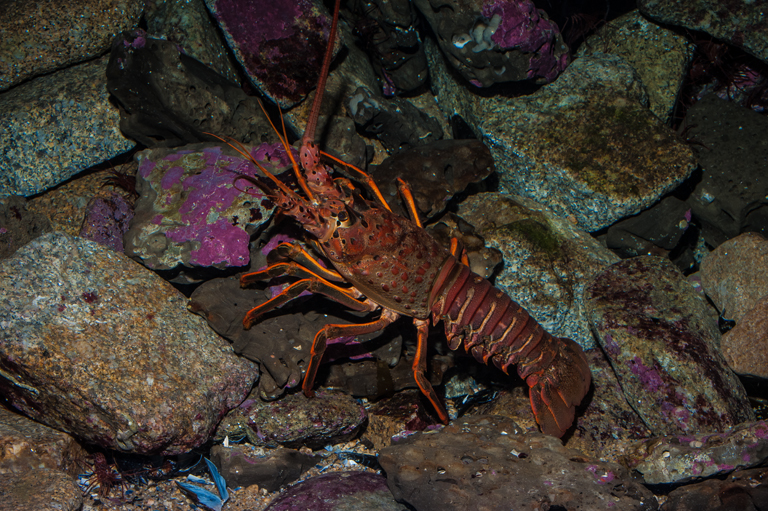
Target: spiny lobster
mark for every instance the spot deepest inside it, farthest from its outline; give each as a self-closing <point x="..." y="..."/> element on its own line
<point x="392" y="264"/>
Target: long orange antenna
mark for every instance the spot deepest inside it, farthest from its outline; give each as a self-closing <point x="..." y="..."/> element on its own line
<point x="309" y="132"/>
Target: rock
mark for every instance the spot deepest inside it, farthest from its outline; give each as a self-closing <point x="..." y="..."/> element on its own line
<point x="663" y="345"/>
<point x="295" y="420"/>
<point x="483" y="260"/>
<point x="193" y="210"/>
<point x="398" y="415"/>
<point x="731" y="147"/>
<point x="745" y="346"/>
<point x="40" y="37"/>
<point x="584" y="145"/>
<point x="655" y="231"/>
<point x="106" y="221"/>
<point x="659" y="55"/>
<point x="99" y="347"/>
<point x="40" y="489"/>
<point x="51" y="125"/>
<point x="680" y="459"/>
<point x="189" y="25"/>
<point x="27" y="445"/>
<point x="397" y="124"/>
<point x="742" y="24"/>
<point x="18" y="225"/>
<point x="387" y="31"/>
<point x="547" y="259"/>
<point x="244" y="465"/>
<point x="744" y="490"/>
<point x="485" y="463"/>
<point x="338" y="491"/>
<point x="169" y="99"/>
<point x="735" y="275"/>
<point x="499" y="41"/>
<point x="280" y="44"/>
<point x="436" y="172"/>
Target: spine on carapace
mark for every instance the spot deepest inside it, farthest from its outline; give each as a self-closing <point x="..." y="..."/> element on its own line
<point x="492" y="326"/>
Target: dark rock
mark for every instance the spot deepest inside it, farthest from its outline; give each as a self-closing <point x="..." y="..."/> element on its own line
<point x="26" y="445"/>
<point x="494" y="42"/>
<point x="485" y="462"/>
<point x="482" y="260"/>
<point x="106" y="221"/>
<point x="18" y="226"/>
<point x="681" y="459"/>
<point x="40" y="489"/>
<point x="168" y="98"/>
<point x="244" y="465"/>
<point x="387" y="31"/>
<point x="340" y="491"/>
<point x="50" y="125"/>
<point x="732" y="149"/>
<point x="745" y="490"/>
<point x="404" y="412"/>
<point x="295" y="420"/>
<point x="395" y="122"/>
<point x="436" y="172"/>
<point x="655" y="231"/>
<point x="96" y="345"/>
<point x="663" y="345"/>
<point x="735" y="275"/>
<point x="280" y="44"/>
<point x="47" y="35"/>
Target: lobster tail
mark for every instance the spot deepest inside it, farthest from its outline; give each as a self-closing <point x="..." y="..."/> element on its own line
<point x="495" y="328"/>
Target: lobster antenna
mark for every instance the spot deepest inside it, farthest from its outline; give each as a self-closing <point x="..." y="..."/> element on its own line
<point x="309" y="132"/>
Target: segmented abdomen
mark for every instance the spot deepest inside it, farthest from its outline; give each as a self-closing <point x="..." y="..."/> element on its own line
<point x="492" y="326"/>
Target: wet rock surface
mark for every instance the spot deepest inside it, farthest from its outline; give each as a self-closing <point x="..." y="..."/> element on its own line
<point x="486" y="463"/>
<point x="40" y="489"/>
<point x="662" y="343"/>
<point x="79" y="316"/>
<point x="244" y="465"/>
<point x="18" y="225"/>
<point x="745" y="346"/>
<point x="741" y="491"/>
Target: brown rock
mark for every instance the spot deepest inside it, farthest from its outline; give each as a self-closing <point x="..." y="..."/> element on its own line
<point x="745" y="347"/>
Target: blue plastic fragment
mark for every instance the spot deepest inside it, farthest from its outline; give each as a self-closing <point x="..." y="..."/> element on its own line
<point x="202" y="496"/>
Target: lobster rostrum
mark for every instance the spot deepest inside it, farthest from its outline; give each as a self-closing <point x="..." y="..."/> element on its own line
<point x="382" y="261"/>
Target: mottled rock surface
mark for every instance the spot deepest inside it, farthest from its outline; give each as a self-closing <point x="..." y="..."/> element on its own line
<point x="193" y="211"/>
<point x="342" y="491"/>
<point x="735" y="275"/>
<point x="244" y="465"/>
<point x="295" y="420"/>
<point x="663" y="345"/>
<point x="107" y="220"/>
<point x="18" y="225"/>
<point x="745" y="346"/>
<point x="94" y="344"/>
<point x="546" y="259"/>
<point x="485" y="463"/>
<point x="40" y="37"/>
<point x="680" y="459"/>
<point x="744" y="490"/>
<point x="26" y="444"/>
<point x="585" y="145"/>
<point x="40" y="489"/>
<point x="56" y="126"/>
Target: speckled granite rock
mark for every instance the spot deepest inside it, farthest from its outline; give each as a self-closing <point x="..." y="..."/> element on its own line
<point x="585" y="145"/>
<point x="39" y="37"/>
<point x="659" y="55"/>
<point x="280" y="44"/>
<point x="295" y="420"/>
<point x="97" y="346"/>
<point x="26" y="444"/>
<point x="680" y="459"/>
<point x="188" y="24"/>
<point x="192" y="211"/>
<point x="547" y="259"/>
<point x="18" y="225"/>
<point x="485" y="463"/>
<point x="735" y="274"/>
<point x="56" y="126"/>
<point x="244" y="465"/>
<point x="745" y="346"/>
<point x="340" y="491"/>
<point x="663" y="345"/>
<point x="40" y="489"/>
<point x="742" y="24"/>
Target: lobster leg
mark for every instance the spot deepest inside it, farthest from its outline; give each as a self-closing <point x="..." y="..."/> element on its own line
<point x="334" y="331"/>
<point x="295" y="252"/>
<point x="420" y="369"/>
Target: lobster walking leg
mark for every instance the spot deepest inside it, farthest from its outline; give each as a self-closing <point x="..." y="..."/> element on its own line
<point x="420" y="369"/>
<point x="333" y="332"/>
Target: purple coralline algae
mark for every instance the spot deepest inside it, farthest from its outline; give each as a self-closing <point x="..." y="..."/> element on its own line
<point x="522" y="27"/>
<point x="280" y="44"/>
<point x="194" y="211"/>
<point x="106" y="221"/>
